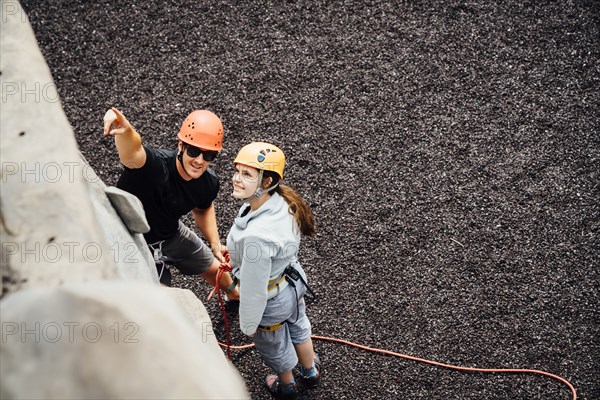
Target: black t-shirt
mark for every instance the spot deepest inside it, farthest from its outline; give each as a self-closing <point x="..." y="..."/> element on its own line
<point x="166" y="196"/>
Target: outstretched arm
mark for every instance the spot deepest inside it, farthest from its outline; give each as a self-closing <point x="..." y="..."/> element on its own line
<point x="127" y="140"/>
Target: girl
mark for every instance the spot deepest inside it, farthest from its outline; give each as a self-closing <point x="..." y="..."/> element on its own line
<point x="264" y="242"/>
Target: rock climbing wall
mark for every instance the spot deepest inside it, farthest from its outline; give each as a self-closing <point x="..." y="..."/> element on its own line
<point x="82" y="313"/>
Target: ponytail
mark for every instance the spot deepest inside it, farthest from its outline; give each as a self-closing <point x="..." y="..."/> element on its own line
<point x="298" y="207"/>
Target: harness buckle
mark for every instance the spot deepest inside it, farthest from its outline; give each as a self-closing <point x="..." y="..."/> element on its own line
<point x="292" y="274"/>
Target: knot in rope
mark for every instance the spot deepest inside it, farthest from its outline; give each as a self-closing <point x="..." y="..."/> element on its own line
<point x="223" y="267"/>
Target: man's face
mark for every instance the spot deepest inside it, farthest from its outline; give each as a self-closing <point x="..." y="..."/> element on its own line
<point x="195" y="159"/>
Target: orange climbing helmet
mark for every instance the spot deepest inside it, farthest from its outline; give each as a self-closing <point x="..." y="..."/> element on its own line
<point x="262" y="156"/>
<point x="202" y="128"/>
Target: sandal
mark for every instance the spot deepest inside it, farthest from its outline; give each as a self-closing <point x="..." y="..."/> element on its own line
<point x="279" y="390"/>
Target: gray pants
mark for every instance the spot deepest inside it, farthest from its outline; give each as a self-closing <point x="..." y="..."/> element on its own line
<point x="277" y="347"/>
<point x="185" y="251"/>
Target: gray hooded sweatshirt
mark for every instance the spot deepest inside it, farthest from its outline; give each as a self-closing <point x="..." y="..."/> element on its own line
<point x="262" y="244"/>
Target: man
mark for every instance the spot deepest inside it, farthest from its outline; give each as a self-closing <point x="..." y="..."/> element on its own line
<point x="171" y="183"/>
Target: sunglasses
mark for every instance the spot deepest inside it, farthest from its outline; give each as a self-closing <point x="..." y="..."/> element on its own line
<point x="208" y="155"/>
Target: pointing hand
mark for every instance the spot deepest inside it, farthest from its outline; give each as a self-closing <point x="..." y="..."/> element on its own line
<point x="115" y="123"/>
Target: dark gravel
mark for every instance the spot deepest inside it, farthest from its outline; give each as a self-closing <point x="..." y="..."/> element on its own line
<point x="450" y="150"/>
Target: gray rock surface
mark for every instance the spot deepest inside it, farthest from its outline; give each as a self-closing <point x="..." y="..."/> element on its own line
<point x="57" y="222"/>
<point x="111" y="340"/>
<point x="49" y="230"/>
<point x="82" y="313"/>
<point x="129" y="208"/>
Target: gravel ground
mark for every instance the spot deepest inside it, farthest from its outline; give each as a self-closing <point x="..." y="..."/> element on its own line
<point x="449" y="149"/>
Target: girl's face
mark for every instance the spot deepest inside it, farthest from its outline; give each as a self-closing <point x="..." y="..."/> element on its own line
<point x="245" y="181"/>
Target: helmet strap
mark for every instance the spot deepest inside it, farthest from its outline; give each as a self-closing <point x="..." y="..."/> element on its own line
<point x="259" y="190"/>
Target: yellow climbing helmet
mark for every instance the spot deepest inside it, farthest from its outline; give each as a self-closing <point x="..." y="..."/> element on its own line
<point x="262" y="156"/>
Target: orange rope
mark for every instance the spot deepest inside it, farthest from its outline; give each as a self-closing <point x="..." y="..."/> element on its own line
<point x="454" y="367"/>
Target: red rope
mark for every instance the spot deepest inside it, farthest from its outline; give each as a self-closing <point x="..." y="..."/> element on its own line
<point x="223" y="267"/>
<point x="226" y="267"/>
<point x="226" y="325"/>
<point x="454" y="367"/>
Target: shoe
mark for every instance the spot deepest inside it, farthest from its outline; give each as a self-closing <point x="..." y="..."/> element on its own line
<point x="279" y="390"/>
<point x="311" y="381"/>
<point x="231" y="305"/>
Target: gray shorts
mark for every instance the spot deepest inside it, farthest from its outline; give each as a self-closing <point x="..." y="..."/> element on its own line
<point x="185" y="251"/>
<point x="277" y="347"/>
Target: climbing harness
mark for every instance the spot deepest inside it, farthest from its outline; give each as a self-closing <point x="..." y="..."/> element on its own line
<point x="293" y="275"/>
<point x="289" y="276"/>
<point x="274" y="287"/>
<point x="271" y="328"/>
<point x="158" y="256"/>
